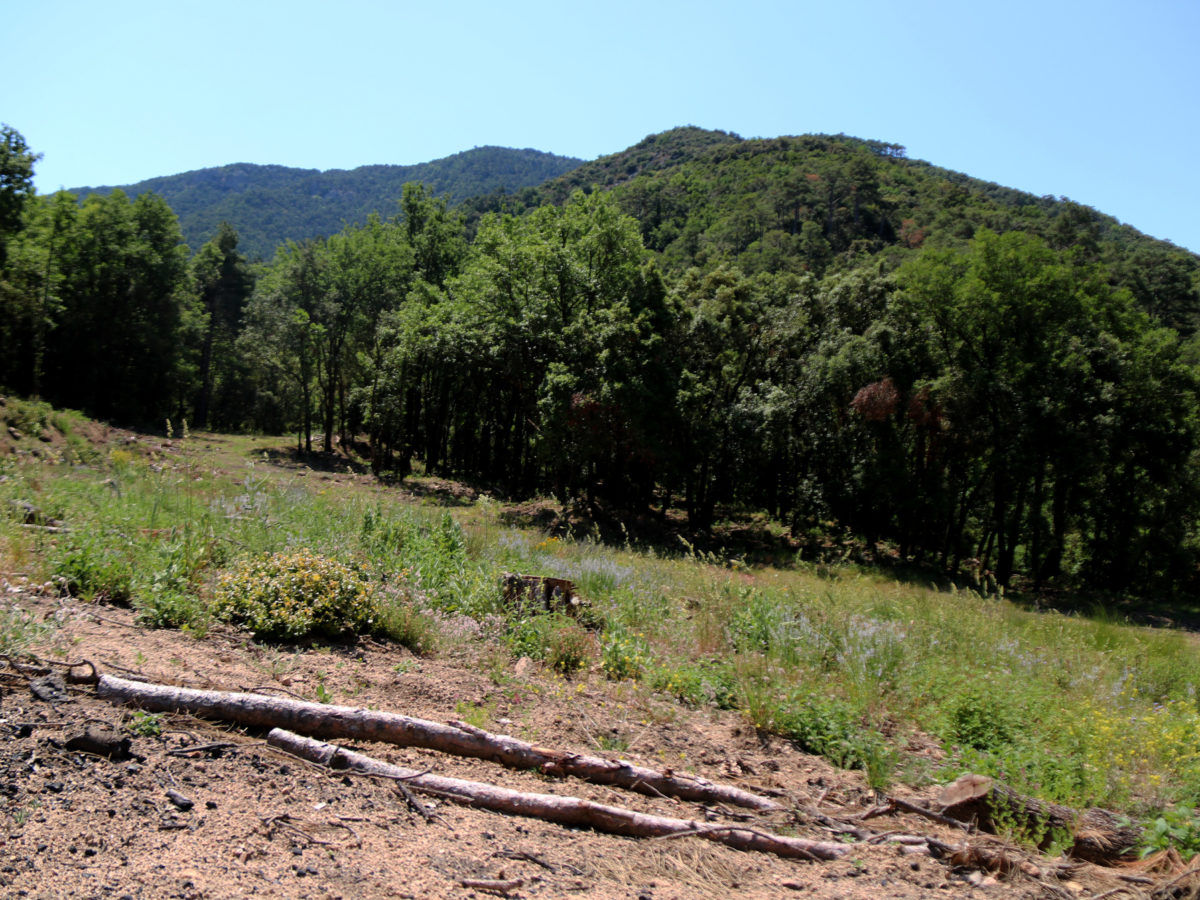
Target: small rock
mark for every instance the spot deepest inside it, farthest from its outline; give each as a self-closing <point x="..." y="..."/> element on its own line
<point x="100" y="742"/>
<point x="49" y="688"/>
<point x="523" y="666"/>
<point x="179" y="800"/>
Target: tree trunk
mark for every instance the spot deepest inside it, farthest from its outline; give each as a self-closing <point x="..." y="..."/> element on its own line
<point x="1099" y="836"/>
<point x="570" y="811"/>
<point x="324" y="720"/>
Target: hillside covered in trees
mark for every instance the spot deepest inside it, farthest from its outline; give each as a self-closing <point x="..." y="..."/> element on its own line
<point x="816" y="327"/>
<point x="273" y="204"/>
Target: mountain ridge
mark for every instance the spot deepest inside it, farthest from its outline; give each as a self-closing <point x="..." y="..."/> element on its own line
<point x="270" y="204"/>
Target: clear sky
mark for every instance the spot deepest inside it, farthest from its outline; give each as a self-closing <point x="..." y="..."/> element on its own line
<point x="1098" y="101"/>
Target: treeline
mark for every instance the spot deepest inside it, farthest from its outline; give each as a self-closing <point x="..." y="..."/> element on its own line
<point x="1003" y="403"/>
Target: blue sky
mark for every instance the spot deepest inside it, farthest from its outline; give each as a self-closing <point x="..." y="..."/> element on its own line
<point x="1097" y="101"/>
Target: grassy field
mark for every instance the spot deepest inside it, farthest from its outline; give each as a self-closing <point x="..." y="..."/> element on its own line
<point x="1079" y="709"/>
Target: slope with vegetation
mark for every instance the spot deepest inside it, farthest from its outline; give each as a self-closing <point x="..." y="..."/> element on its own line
<point x="910" y="685"/>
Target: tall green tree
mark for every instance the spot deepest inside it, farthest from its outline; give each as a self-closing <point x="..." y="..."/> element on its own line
<point x="16" y="183"/>
<point x="282" y="332"/>
<point x="119" y="345"/>
<point x="223" y="283"/>
<point x="1035" y="364"/>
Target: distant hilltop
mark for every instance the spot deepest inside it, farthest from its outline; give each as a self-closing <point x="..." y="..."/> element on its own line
<point x="269" y="205"/>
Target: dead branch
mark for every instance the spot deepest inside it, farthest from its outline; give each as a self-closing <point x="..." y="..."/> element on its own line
<point x="410" y="800"/>
<point x="491" y="885"/>
<point x="285" y="821"/>
<point x="527" y="857"/>
<point x="916" y="810"/>
<point x="327" y="721"/>
<point x="570" y="811"/>
<point x="211" y="748"/>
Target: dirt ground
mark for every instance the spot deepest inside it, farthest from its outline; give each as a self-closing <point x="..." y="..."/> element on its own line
<point x="74" y="824"/>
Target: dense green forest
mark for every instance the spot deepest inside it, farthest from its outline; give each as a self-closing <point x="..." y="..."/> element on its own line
<point x="274" y="204"/>
<point x="817" y="327"/>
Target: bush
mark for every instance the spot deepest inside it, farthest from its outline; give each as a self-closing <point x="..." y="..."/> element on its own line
<point x="1177" y="827"/>
<point x="91" y="571"/>
<point x="164" y="607"/>
<point x="981" y="721"/>
<point x="624" y="655"/>
<point x="294" y="595"/>
<point x="698" y="683"/>
<point x="569" y="647"/>
<point x="414" y="628"/>
<point x="836" y="730"/>
<point x="556" y="638"/>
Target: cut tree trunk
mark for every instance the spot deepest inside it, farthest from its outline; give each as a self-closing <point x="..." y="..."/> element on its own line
<point x="1098" y="835"/>
<point x="571" y="811"/>
<point x="327" y="721"/>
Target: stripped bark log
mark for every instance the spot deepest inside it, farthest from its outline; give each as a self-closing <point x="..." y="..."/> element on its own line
<point x="571" y="811"/>
<point x="1098" y="835"/>
<point x="327" y="721"/>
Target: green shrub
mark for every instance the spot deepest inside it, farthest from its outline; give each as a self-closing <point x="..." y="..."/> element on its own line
<point x="569" y="646"/>
<point x="1177" y="827"/>
<point x="19" y="629"/>
<point x="164" y="595"/>
<point x="624" y="655"/>
<point x="145" y="724"/>
<point x="292" y="595"/>
<point x="558" y="639"/>
<point x="834" y="729"/>
<point x="529" y="635"/>
<point x="980" y="720"/>
<point x="166" y="607"/>
<point x="408" y="626"/>
<point x="91" y="571"/>
<point x="705" y="681"/>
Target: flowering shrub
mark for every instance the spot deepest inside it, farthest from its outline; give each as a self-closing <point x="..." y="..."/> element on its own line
<point x="624" y="656"/>
<point x="293" y="595"/>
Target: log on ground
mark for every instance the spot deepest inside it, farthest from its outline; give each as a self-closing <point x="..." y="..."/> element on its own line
<point x="571" y="811"/>
<point x="1097" y="835"/>
<point x="328" y="721"/>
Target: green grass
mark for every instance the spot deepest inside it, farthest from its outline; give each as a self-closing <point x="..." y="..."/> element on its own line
<point x="1078" y="709"/>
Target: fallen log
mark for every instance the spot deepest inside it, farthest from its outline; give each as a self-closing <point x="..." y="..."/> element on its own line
<point x="1097" y="835"/>
<point x="327" y="721"/>
<point x="571" y="811"/>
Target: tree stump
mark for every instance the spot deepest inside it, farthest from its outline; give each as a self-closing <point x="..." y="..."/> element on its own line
<point x="1097" y="835"/>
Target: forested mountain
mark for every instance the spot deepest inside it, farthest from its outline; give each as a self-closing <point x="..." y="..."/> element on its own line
<point x="971" y="378"/>
<point x="269" y="205"/>
<point x="817" y="202"/>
